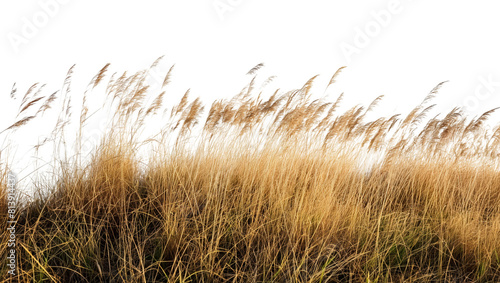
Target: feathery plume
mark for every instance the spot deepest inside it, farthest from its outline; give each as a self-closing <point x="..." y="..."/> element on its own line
<point x="31" y="103"/>
<point x="166" y="81"/>
<point x="47" y="104"/>
<point x="19" y="123"/>
<point x="13" y="91"/>
<point x="255" y="69"/>
<point x="334" y="77"/>
<point x="100" y="75"/>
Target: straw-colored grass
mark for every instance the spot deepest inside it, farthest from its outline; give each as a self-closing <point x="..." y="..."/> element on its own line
<point x="261" y="190"/>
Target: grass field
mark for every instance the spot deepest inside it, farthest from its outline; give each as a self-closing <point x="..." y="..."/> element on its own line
<point x="276" y="189"/>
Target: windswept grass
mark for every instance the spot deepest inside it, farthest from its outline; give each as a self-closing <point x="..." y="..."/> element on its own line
<point x="277" y="189"/>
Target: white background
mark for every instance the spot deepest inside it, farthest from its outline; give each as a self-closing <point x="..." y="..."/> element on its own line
<point x="400" y="49"/>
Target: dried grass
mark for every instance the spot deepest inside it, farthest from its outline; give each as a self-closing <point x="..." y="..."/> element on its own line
<point x="264" y="190"/>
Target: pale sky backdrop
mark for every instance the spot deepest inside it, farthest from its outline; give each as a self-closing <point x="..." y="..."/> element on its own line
<point x="398" y="48"/>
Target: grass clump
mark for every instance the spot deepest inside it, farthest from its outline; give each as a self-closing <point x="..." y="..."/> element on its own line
<point x="260" y="190"/>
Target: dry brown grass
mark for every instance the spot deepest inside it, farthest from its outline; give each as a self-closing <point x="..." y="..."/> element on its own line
<point x="264" y="190"/>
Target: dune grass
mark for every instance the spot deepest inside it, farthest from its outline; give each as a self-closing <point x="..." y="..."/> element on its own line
<point x="280" y="189"/>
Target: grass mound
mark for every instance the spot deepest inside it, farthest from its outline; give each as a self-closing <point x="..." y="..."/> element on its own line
<point x="260" y="190"/>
